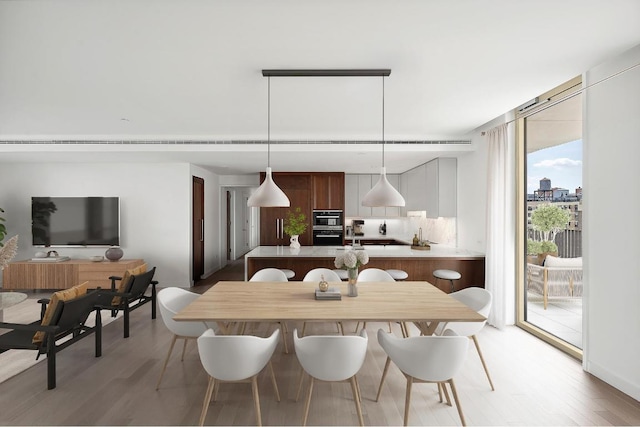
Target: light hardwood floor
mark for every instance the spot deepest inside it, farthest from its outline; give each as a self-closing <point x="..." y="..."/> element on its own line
<point x="535" y="385"/>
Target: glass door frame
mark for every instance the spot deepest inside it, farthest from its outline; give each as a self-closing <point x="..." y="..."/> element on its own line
<point x="569" y="89"/>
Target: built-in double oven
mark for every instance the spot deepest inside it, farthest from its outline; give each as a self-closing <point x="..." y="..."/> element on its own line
<point x="328" y="227"/>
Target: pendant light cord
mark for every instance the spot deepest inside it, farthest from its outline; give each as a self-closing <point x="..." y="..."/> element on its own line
<point x="269" y="121"/>
<point x="382" y="121"/>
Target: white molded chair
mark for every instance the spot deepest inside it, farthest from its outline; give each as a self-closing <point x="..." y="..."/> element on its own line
<point x="236" y="358"/>
<point x="435" y="359"/>
<point x="331" y="358"/>
<point x="477" y="299"/>
<point x="376" y="275"/>
<point x="316" y="275"/>
<point x="171" y="301"/>
<point x="271" y="275"/>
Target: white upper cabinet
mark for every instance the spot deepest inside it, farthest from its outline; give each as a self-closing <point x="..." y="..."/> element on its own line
<point x="431" y="187"/>
<point x="356" y="186"/>
<point x="441" y="196"/>
<point x="351" y="201"/>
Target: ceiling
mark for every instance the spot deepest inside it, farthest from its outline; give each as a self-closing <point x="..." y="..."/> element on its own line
<point x="180" y="80"/>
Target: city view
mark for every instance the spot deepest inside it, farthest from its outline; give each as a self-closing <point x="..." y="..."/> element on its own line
<point x="554" y="240"/>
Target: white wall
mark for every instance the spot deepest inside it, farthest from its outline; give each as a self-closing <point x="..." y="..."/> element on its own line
<point x="155" y="204"/>
<point x="472" y="196"/>
<point x="611" y="227"/>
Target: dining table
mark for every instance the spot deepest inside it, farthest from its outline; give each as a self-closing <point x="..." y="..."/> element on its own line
<point x="418" y="302"/>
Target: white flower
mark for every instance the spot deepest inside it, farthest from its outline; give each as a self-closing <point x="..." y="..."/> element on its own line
<point x="351" y="259"/>
<point x="363" y="257"/>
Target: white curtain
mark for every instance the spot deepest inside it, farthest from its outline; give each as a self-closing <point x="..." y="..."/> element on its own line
<point x="500" y="256"/>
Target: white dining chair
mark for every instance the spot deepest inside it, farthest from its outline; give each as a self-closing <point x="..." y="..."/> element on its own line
<point x="434" y="359"/>
<point x="479" y="300"/>
<point x="271" y="275"/>
<point x="376" y="275"/>
<point x="316" y="275"/>
<point x="236" y="358"/>
<point x="170" y="302"/>
<point x="331" y="358"/>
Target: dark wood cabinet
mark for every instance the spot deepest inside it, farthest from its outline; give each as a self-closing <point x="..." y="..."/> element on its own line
<point x="297" y="187"/>
<point x="328" y="190"/>
<point x="306" y="190"/>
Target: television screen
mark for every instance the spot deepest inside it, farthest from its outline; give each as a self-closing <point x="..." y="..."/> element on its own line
<point x="75" y="221"/>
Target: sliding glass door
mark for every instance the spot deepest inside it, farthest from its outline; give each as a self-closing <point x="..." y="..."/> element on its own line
<point x="550" y="285"/>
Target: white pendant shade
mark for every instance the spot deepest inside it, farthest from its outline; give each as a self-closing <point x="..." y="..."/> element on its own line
<point x="383" y="193"/>
<point x="269" y="194"/>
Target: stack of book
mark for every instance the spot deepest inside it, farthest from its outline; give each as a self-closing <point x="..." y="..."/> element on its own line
<point x="331" y="294"/>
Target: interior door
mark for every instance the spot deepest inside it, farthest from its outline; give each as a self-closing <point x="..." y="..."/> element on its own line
<point x="198" y="228"/>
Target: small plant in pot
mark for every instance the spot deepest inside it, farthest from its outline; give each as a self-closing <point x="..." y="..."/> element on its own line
<point x="295" y="223"/>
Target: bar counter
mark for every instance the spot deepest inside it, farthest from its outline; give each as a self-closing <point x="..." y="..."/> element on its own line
<point x="419" y="264"/>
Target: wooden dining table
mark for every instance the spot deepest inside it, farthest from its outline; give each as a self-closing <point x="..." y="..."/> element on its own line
<point x="419" y="302"/>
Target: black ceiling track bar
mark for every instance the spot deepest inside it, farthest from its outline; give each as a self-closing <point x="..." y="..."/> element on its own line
<point x="328" y="73"/>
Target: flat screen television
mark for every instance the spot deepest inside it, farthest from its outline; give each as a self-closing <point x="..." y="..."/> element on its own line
<point x="75" y="221"/>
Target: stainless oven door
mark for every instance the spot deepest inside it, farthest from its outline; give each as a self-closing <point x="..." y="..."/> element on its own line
<point x="328" y="237"/>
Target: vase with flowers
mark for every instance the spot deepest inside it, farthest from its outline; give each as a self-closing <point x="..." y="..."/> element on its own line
<point x="350" y="260"/>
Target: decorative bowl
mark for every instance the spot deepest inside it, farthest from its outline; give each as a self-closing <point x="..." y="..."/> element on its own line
<point x="96" y="258"/>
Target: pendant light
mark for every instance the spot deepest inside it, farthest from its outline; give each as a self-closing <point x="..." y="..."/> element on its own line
<point x="268" y="194"/>
<point x="383" y="193"/>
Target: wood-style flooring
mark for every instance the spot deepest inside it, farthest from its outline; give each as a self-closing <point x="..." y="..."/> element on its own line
<point x="536" y="384"/>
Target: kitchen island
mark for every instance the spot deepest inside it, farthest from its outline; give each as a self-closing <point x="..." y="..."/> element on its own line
<point x="419" y="264"/>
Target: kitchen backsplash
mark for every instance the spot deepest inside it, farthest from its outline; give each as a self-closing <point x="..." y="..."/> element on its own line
<point x="438" y="230"/>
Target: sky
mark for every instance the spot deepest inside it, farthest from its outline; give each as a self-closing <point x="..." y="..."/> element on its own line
<point x="562" y="164"/>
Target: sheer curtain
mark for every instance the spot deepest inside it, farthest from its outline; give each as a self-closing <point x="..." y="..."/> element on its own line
<point x="501" y="234"/>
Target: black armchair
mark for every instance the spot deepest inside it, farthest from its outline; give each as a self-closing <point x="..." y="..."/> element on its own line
<point x="68" y="320"/>
<point x="133" y="297"/>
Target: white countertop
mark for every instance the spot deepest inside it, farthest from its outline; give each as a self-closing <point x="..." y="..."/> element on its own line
<point x="400" y="251"/>
<point x="378" y="236"/>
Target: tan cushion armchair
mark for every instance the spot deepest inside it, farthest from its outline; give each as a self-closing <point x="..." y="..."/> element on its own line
<point x="558" y="277"/>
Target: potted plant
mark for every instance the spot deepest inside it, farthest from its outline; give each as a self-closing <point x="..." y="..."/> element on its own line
<point x="546" y="221"/>
<point x="295" y="224"/>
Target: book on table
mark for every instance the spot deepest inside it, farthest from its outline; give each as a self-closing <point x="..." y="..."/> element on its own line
<point x="330" y="294"/>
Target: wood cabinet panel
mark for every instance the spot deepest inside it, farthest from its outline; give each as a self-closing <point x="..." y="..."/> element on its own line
<point x="328" y="190"/>
<point x="63" y="275"/>
<point x="472" y="268"/>
<point x="297" y="187"/>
